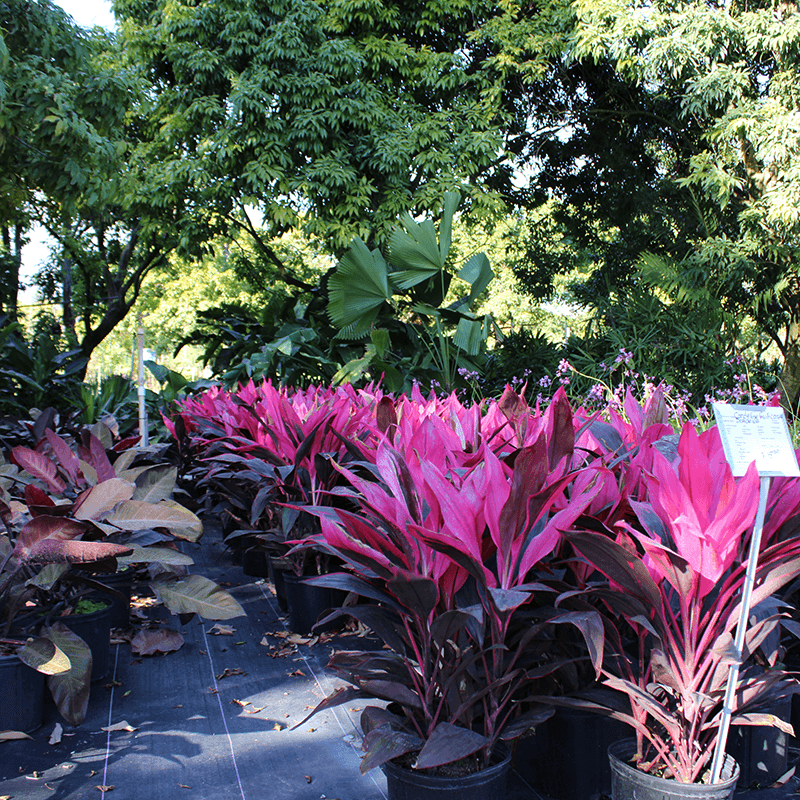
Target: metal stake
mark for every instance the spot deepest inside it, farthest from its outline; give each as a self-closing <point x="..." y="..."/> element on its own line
<point x="741" y="631"/>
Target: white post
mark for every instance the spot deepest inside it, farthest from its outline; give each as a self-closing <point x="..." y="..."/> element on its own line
<point x="144" y="439"/>
<point x="741" y="631"/>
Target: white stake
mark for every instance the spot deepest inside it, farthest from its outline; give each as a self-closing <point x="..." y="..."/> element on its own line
<point x="741" y="631"/>
<point x="144" y="439"/>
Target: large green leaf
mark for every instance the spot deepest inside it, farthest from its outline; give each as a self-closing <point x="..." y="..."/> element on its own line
<point x="70" y="689"/>
<point x="195" y="594"/>
<point x="469" y="336"/>
<point x="95" y="501"/>
<point x="44" y="656"/>
<point x="138" y="515"/>
<point x="155" y="484"/>
<point x="357" y="289"/>
<point x="160" y="555"/>
<point x="478" y="273"/>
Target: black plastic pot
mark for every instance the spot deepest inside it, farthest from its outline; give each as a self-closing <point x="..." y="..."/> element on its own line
<point x="488" y="784"/>
<point x="629" y="783"/>
<point x="308" y="603"/>
<point x="121" y="584"/>
<point x="95" y="630"/>
<point x="546" y="759"/>
<point x="277" y="576"/>
<point x="255" y="563"/>
<point x="761" y="751"/>
<point x="22" y="692"/>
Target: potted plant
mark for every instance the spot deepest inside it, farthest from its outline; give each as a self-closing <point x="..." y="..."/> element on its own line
<point x="444" y="549"/>
<point x="69" y="513"/>
<point x="674" y="574"/>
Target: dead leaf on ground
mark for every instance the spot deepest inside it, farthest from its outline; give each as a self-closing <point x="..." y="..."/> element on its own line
<point x="148" y="643"/>
<point x="783" y="779"/>
<point x="222" y="630"/>
<point x="183" y="786"/>
<point x="308" y="778"/>
<point x="7" y="736"/>
<point x="229" y="672"/>
<point x="254" y="709"/>
<point x="105" y="788"/>
<point x="55" y="736"/>
<point x="240" y="702"/>
<point x="298" y="673"/>
<point x="120" y="726"/>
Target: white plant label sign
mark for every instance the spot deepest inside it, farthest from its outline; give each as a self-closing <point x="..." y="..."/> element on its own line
<point x="756" y="433"/>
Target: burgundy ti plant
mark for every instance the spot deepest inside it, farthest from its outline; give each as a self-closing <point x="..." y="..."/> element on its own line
<point x="674" y="578"/>
<point x="444" y="552"/>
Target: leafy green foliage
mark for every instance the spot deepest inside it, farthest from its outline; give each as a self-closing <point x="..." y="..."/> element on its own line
<point x="337" y="117"/>
<point x="404" y="295"/>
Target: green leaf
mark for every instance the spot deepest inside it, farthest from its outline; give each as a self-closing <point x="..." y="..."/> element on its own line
<point x="138" y="515"/>
<point x="156" y="555"/>
<point x="195" y="594"/>
<point x="357" y="289"/>
<point x="157" y="483"/>
<point x="70" y="689"/>
<point x="478" y="273"/>
<point x="94" y="502"/>
<point x="44" y="656"/>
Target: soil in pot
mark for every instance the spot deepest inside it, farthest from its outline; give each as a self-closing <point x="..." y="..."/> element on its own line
<point x="629" y="783"/>
<point x="22" y="693"/>
<point x="487" y="784"/>
<point x="95" y="629"/>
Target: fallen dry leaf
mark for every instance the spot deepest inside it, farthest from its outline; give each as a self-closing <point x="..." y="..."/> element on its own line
<point x="183" y="786"/>
<point x="254" y="710"/>
<point x="7" y="736"/>
<point x="55" y="736"/>
<point x="783" y="779"/>
<point x="240" y="702"/>
<point x="120" y="726"/>
<point x="298" y="673"/>
<point x="222" y="630"/>
<point x="278" y="727"/>
<point x="228" y="672"/>
<point x="308" y="778"/>
<point x="147" y="643"/>
<point x="105" y="788"/>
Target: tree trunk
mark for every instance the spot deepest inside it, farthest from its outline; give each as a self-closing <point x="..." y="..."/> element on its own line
<point x="68" y="314"/>
<point x="790" y="379"/>
<point x="12" y="262"/>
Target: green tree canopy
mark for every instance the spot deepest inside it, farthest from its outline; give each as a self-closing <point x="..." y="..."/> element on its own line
<point x="335" y="116"/>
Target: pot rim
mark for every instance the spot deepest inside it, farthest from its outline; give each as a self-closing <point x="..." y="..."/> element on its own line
<point x="617" y="752"/>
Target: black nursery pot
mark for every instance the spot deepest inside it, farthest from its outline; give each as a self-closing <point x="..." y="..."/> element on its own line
<point x="488" y="784"/>
<point x="307" y="603"/>
<point x="277" y="575"/>
<point x="22" y="693"/>
<point x="255" y="563"/>
<point x="546" y="759"/>
<point x="629" y="783"/>
<point x="95" y="630"/>
<point x="121" y="584"/>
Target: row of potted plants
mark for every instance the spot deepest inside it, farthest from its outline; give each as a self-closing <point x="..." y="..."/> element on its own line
<point x="513" y="561"/>
<point x="78" y="506"/>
